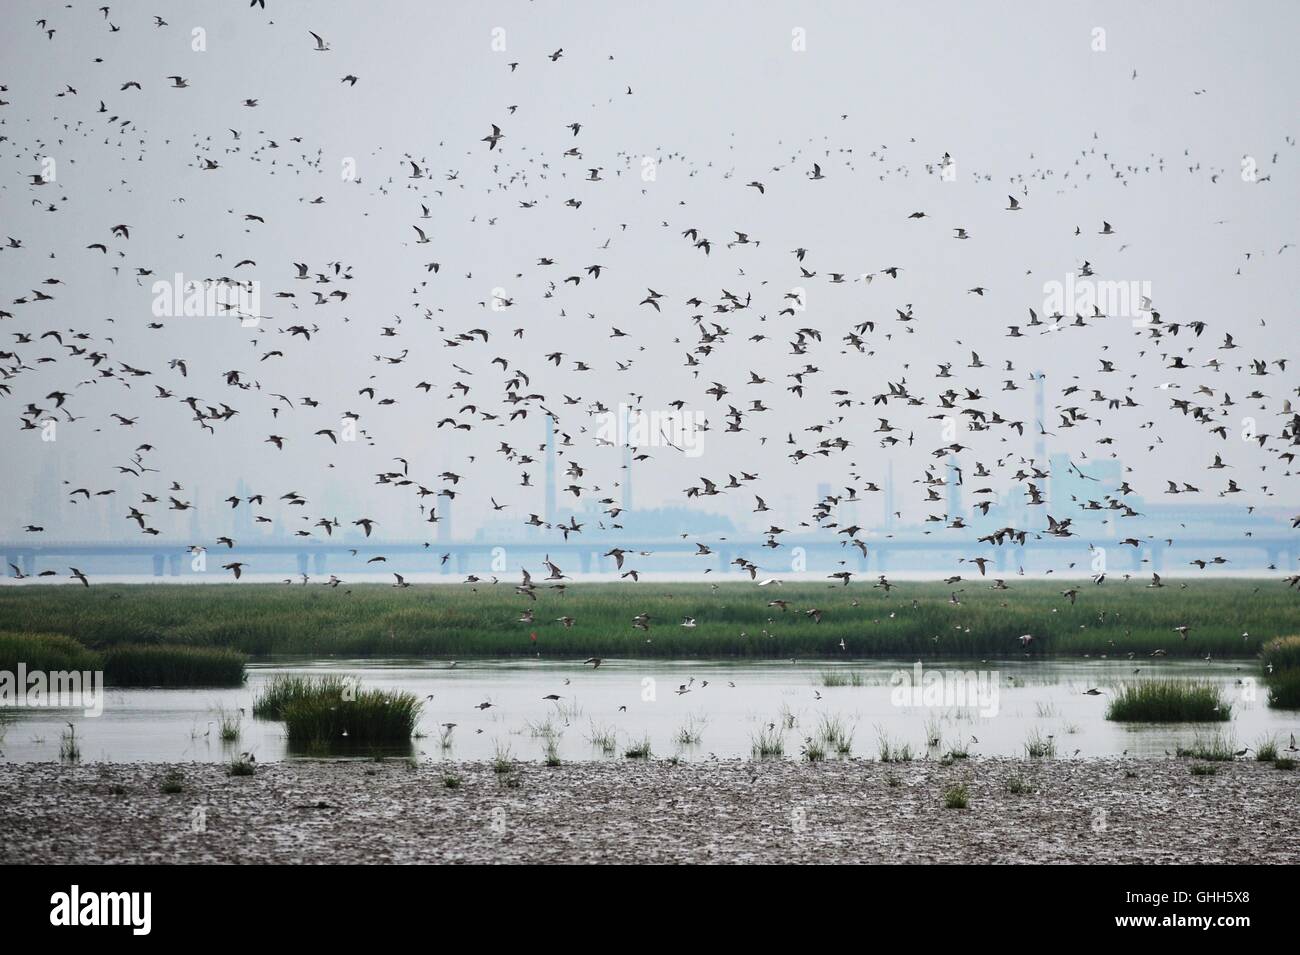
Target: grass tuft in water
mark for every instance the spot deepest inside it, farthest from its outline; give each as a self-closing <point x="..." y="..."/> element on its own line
<point x="1169" y="701"/>
<point x="69" y="748"/>
<point x="813" y="750"/>
<point x="768" y="744"/>
<point x="604" y="739"/>
<point x="1215" y="748"/>
<point x="1038" y="746"/>
<point x="639" y="749"/>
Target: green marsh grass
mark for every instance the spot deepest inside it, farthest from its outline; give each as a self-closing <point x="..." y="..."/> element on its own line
<point x="891" y="751"/>
<point x="691" y="733"/>
<point x="1038" y="746"/>
<point x="834" y="733"/>
<point x="242" y="765"/>
<point x="604" y="739"/>
<point x="1169" y="701"/>
<point x="834" y="678"/>
<point x="1284" y="690"/>
<point x="503" y="762"/>
<point x="1212" y="747"/>
<point x="956" y="797"/>
<point x="813" y="750"/>
<point x="451" y="620"/>
<point x="288" y="688"/>
<point x="1205" y="769"/>
<point x="768" y="744"/>
<point x="69" y="747"/>
<point x="170" y="665"/>
<point x="1266" y="749"/>
<point x="45" y="651"/>
<point x="639" y="749"/>
<point x="228" y="726"/>
<point x="371" y="717"/>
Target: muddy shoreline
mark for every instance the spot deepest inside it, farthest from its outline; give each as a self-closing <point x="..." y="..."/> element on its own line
<point x="306" y="812"/>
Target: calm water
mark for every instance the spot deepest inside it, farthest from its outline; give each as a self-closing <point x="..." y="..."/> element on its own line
<point x="1025" y="697"/>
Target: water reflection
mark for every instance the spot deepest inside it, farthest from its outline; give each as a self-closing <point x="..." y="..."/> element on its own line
<point x="696" y="710"/>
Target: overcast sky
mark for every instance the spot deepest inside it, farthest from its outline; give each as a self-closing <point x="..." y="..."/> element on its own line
<point x="1027" y="99"/>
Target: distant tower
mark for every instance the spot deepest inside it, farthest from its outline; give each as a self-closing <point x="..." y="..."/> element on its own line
<point x="549" y="503"/>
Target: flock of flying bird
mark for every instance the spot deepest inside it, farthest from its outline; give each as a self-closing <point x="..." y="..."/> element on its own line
<point x="484" y="380"/>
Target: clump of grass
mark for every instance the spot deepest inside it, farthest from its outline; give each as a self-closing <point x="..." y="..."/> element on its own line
<point x="1169" y="701"/>
<point x="369" y="717"/>
<point x="1018" y="785"/>
<point x="1204" y="769"/>
<point x="1215" y="748"/>
<point x="543" y="730"/>
<point x="787" y="718"/>
<point x="890" y="751"/>
<point x="1266" y="749"/>
<point x="69" y="748"/>
<point x="1038" y="746"/>
<point x="813" y="750"/>
<point x="552" y="752"/>
<point x="1284" y="762"/>
<point x="173" y="782"/>
<point x="842" y="678"/>
<point x="956" y="797"/>
<point x="173" y="665"/>
<point x="243" y="765"/>
<point x="45" y="651"/>
<point x="451" y="781"/>
<point x="1282" y="654"/>
<point x="604" y="739"/>
<point x="958" y="751"/>
<point x="835" y="734"/>
<point x="691" y="733"/>
<point x="286" y="688"/>
<point x="503" y="762"/>
<point x="893" y="780"/>
<point x="1284" y="689"/>
<point x="769" y="743"/>
<point x="639" y="749"/>
<point x="228" y="725"/>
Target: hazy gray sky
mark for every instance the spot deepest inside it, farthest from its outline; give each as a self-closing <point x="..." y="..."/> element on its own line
<point x="1018" y="94"/>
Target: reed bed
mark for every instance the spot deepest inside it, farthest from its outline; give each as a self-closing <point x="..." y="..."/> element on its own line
<point x="733" y="621"/>
<point x="170" y="665"/>
<point x="1169" y="701"/>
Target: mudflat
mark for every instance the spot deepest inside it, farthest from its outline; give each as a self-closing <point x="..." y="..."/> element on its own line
<point x="658" y="811"/>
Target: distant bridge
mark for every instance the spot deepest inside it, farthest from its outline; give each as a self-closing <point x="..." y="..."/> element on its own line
<point x="315" y="556"/>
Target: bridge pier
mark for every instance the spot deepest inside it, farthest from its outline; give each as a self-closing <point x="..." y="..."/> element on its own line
<point x="584" y="561"/>
<point x="157" y="565"/>
<point x="174" y="565"/>
<point x="1000" y="559"/>
<point x="1158" y="557"/>
<point x="318" y="562"/>
<point x="881" y="559"/>
<point x="460" y="563"/>
<point x="302" y="565"/>
<point x="29" y="564"/>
